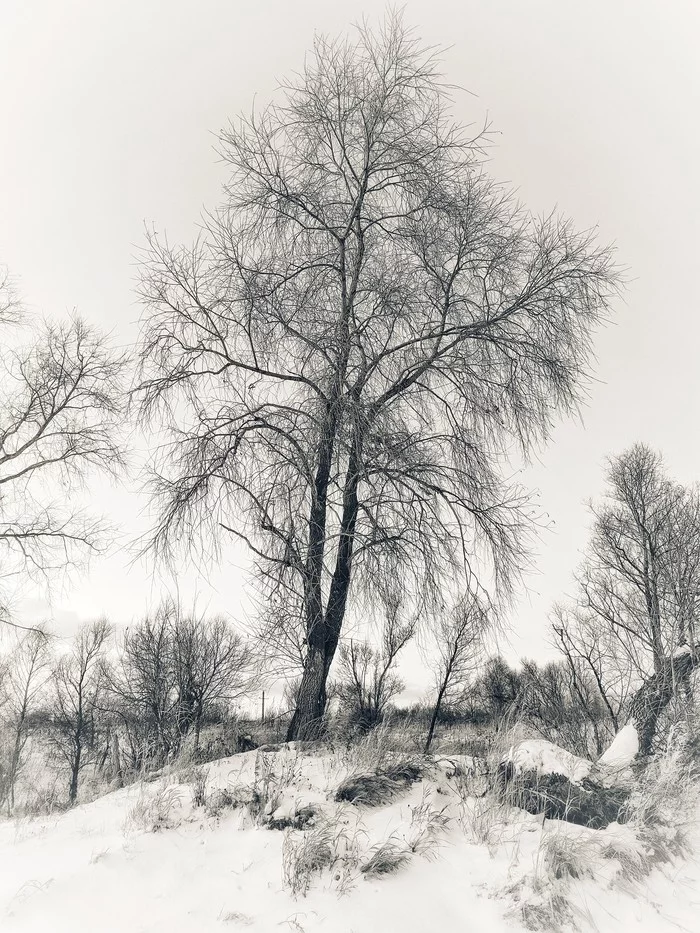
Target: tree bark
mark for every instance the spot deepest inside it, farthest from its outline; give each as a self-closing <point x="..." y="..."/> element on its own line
<point x="433" y="720"/>
<point x="75" y="771"/>
<point x="657" y="691"/>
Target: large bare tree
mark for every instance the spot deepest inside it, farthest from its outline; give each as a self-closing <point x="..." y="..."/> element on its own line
<point x="362" y="332"/>
<point x="59" y="400"/>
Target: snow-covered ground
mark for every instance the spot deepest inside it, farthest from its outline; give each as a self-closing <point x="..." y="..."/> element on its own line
<point x="102" y="868"/>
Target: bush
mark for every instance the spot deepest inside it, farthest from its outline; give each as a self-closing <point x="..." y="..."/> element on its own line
<point x="588" y="804"/>
<point x="380" y="788"/>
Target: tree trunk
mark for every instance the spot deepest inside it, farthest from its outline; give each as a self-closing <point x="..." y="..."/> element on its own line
<point x="307" y="720"/>
<point x="75" y="771"/>
<point x="656" y="692"/>
<point x="324" y="635"/>
<point x="433" y="720"/>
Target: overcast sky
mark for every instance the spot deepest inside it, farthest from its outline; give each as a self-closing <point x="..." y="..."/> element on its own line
<point x="108" y="111"/>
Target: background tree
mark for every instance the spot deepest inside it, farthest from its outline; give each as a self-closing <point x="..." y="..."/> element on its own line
<point x="78" y="688"/>
<point x="639" y="587"/>
<point x="142" y="686"/>
<point x="593" y="659"/>
<point x="367" y="681"/>
<point x="212" y="665"/>
<point x="498" y="688"/>
<point x="27" y="671"/>
<point x="347" y="353"/>
<point x="459" y="640"/>
<point x="59" y="397"/>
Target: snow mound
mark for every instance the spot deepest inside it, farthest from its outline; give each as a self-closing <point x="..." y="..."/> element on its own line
<point x="623" y="749"/>
<point x="547" y="758"/>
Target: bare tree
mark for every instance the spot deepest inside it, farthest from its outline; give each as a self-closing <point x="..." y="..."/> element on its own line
<point x="211" y="664"/>
<point x="78" y="686"/>
<point x="10" y="308"/>
<point x="59" y="397"/>
<point x="498" y="688"/>
<point x="459" y="637"/>
<point x="639" y="589"/>
<point x="142" y="685"/>
<point x="26" y="675"/>
<point x="592" y="656"/>
<point x="367" y="680"/>
<point x="348" y="351"/>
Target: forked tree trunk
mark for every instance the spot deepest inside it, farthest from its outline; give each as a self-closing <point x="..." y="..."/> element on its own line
<point x="307" y="721"/>
<point x="324" y="633"/>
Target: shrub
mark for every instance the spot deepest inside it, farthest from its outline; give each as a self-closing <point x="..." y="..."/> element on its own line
<point x="380" y="788"/>
<point x="588" y="804"/>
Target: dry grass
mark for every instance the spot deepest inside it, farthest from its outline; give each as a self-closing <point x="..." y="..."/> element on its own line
<point x="307" y="855"/>
<point x="198" y="786"/>
<point x="155" y="813"/>
<point x="385" y="784"/>
<point x="386" y="858"/>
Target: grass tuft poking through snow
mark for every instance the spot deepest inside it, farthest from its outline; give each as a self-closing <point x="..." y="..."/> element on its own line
<point x="307" y="855"/>
<point x="386" y="858"/>
<point x="155" y="813"/>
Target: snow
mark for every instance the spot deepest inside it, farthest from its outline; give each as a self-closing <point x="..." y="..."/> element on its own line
<point x="96" y="870"/>
<point x="682" y="650"/>
<point x="547" y="758"/>
<point x="623" y="749"/>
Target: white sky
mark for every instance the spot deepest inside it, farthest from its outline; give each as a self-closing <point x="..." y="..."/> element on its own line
<point x="108" y="110"/>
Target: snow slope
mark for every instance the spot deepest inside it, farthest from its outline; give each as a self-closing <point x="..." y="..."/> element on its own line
<point x="97" y="869"/>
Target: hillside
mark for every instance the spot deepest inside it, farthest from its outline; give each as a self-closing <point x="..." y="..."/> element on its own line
<point x="193" y="851"/>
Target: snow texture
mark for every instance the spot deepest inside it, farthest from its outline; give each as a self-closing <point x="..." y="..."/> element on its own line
<point x="547" y="758"/>
<point x="623" y="749"/>
<point x="95" y="869"/>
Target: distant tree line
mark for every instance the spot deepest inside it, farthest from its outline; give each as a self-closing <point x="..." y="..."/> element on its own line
<point x="118" y="705"/>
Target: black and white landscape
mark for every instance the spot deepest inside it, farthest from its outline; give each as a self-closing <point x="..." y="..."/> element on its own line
<point x="349" y="500"/>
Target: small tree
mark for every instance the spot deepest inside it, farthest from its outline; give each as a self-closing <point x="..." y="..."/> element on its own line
<point x="353" y="344"/>
<point x="211" y="664"/>
<point x="498" y="688"/>
<point x="367" y="683"/>
<point x="639" y="587"/>
<point x="142" y="685"/>
<point x="459" y="642"/>
<point x="78" y="687"/>
<point x="26" y="675"/>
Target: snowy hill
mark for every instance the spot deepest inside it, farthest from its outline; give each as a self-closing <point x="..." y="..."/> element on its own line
<point x="193" y="852"/>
